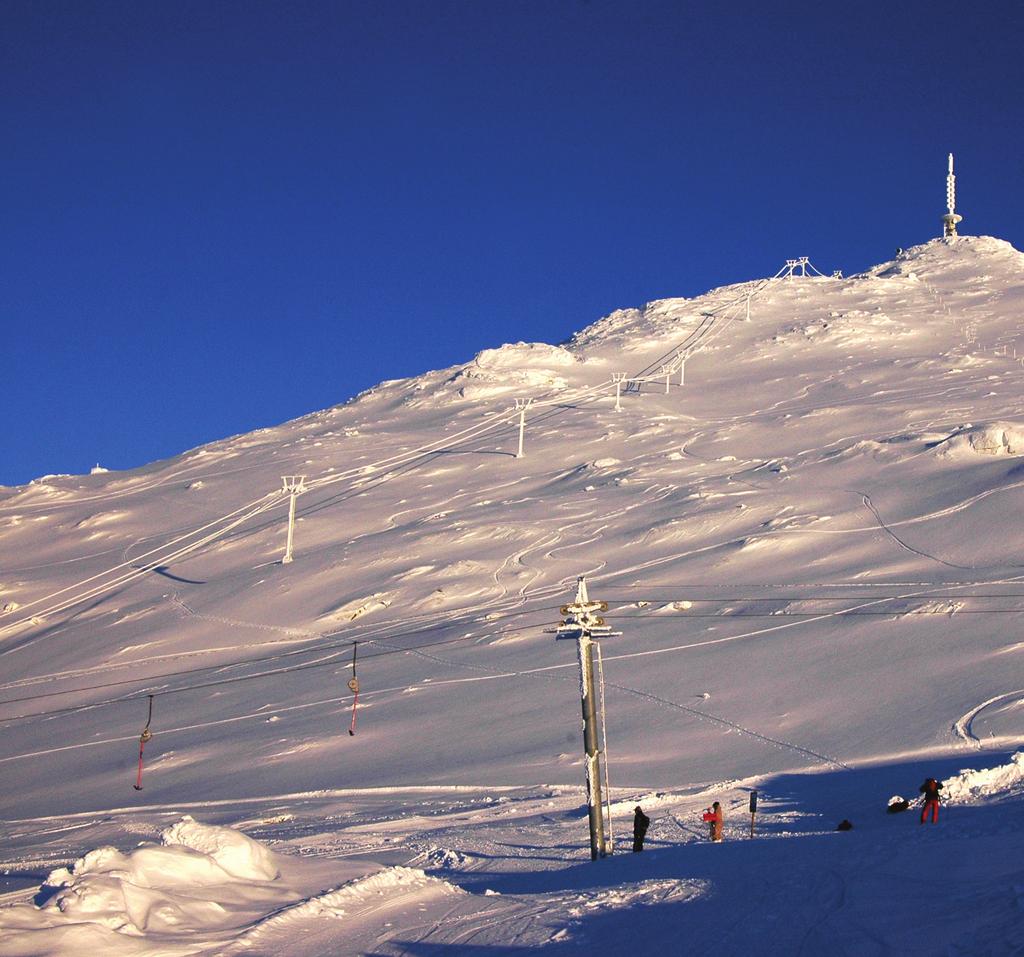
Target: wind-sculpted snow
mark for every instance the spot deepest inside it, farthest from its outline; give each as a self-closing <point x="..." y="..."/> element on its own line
<point x="971" y="786"/>
<point x="233" y="852"/>
<point x="166" y="898"/>
<point x="996" y="438"/>
<point x="811" y="547"/>
<point x="201" y="886"/>
<point x="497" y="373"/>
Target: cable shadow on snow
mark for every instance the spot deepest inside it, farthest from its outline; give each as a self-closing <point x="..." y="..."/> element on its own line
<point x="497" y="452"/>
<point x="163" y="570"/>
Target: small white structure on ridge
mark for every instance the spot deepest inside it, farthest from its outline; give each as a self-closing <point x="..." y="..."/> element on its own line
<point x="951" y="218"/>
<point x="793" y="264"/>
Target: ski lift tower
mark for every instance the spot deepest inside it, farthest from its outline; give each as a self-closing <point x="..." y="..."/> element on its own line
<point x="583" y="623"/>
<point x="794" y="264"/>
<point x="951" y="218"/>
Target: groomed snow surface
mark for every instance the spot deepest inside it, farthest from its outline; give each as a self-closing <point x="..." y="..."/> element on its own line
<point x="811" y="548"/>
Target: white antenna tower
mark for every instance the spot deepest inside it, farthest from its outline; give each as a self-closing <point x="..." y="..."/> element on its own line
<point x="951" y="218"/>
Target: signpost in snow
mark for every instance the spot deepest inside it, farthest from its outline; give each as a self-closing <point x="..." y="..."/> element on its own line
<point x="753" y="810"/>
<point x="582" y="623"/>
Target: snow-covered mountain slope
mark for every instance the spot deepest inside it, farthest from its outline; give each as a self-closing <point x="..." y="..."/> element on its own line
<point x="810" y="547"/>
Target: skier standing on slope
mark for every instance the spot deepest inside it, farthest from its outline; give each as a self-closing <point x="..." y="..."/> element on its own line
<point x="716" y="820"/>
<point x="930" y="789"/>
<point x="640" y="824"/>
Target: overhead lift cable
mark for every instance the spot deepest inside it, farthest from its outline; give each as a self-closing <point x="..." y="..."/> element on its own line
<point x="654" y="615"/>
<point x="712" y="323"/>
<point x="505" y="417"/>
<point x="341" y="647"/>
<point x="333" y="661"/>
<point x="257" y="504"/>
<point x="263" y="504"/>
<point x="72" y="709"/>
<point x="163" y="557"/>
<point x="142" y="570"/>
<point x="400" y="458"/>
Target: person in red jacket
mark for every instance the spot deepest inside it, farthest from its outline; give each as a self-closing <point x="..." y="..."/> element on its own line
<point x="930" y="789"/>
<point x="715" y="819"/>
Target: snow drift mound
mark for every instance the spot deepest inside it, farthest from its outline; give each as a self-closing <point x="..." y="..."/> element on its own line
<point x="200" y="877"/>
<point x="994" y="438"/>
<point x="234" y="853"/>
<point x="523" y="364"/>
<point x="633" y="330"/>
<point x="970" y="785"/>
<point x="190" y="855"/>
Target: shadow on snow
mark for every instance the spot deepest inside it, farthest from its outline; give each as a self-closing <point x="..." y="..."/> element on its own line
<point x="889" y="886"/>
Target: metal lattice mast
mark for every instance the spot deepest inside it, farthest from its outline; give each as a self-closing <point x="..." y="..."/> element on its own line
<point x="951" y="218"/>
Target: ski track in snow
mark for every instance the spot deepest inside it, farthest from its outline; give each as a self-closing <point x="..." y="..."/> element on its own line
<point x="962" y="727"/>
<point x="297" y="634"/>
<point x="888" y="527"/>
<point x="488" y="674"/>
<point x="357" y="904"/>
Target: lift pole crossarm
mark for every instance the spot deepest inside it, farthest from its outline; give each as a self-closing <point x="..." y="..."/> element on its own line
<point x="583" y="624"/>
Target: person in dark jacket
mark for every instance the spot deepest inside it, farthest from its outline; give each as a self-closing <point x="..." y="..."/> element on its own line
<point x="715" y="819"/>
<point x="640" y="824"/>
<point x="930" y="789"/>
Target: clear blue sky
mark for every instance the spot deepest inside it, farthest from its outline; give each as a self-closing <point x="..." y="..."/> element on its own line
<point x="221" y="215"/>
